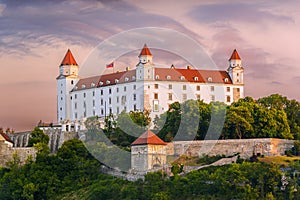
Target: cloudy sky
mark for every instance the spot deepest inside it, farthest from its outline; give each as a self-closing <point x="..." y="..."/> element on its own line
<point x="35" y="35"/>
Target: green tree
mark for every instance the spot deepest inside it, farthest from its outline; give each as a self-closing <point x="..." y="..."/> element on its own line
<point x="38" y="136"/>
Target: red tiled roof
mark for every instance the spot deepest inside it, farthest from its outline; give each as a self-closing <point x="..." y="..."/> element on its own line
<point x="145" y="51"/>
<point x="105" y="80"/>
<point x="69" y="59"/>
<point x="192" y="75"/>
<point x="6" y="137"/>
<point x="148" y="138"/>
<point x="235" y="55"/>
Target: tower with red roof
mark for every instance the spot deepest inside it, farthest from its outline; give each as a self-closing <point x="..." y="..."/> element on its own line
<point x="145" y="67"/>
<point x="148" y="152"/>
<point x="236" y="73"/>
<point x="66" y="80"/>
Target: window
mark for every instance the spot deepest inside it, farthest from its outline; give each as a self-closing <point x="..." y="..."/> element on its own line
<point x="198" y="87"/>
<point x="209" y="79"/>
<point x="184" y="87"/>
<point x="134" y="107"/>
<point x="134" y="97"/>
<point x="133" y="77"/>
<point x="125" y="108"/>
<point x="212" y="88"/>
<point x="102" y="111"/>
<point x="155" y="95"/>
<point x="75" y="115"/>
<point x="155" y="105"/>
<point x="228" y="99"/>
<point x="84" y="104"/>
<point x="116" y="81"/>
<point x="117" y="99"/>
<point x="84" y="95"/>
<point x="134" y="87"/>
<point x="123" y="100"/>
<point x="72" y="82"/>
<point x="93" y="103"/>
<point x="126" y="79"/>
<point x="237" y="74"/>
<point x="61" y="98"/>
<point x="170" y="96"/>
<point x="93" y="93"/>
<point x="101" y="92"/>
<point x="196" y="78"/>
<point x="60" y="108"/>
<point x="110" y="110"/>
<point x="75" y="105"/>
<point x="212" y="97"/>
<point x="82" y="86"/>
<point x="198" y="96"/>
<point x="238" y="89"/>
<point x="156" y="77"/>
<point x="109" y="100"/>
<point x="155" y="86"/>
<point x="168" y="77"/>
<point x="228" y="89"/>
<point x="118" y="110"/>
<point x="124" y="88"/>
<point x="71" y="97"/>
<point x="101" y="83"/>
<point x="92" y="84"/>
<point x="108" y="82"/>
<point x="170" y="86"/>
<point x="75" y="96"/>
<point x="182" y="78"/>
<point x="101" y="102"/>
<point x="226" y="80"/>
<point x="117" y="89"/>
<point x="184" y="97"/>
<point x="109" y="90"/>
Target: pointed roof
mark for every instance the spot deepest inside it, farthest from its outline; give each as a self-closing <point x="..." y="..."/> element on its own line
<point x="148" y="138"/>
<point x="235" y="55"/>
<point x="145" y="51"/>
<point x="69" y="59"/>
<point x="5" y="137"/>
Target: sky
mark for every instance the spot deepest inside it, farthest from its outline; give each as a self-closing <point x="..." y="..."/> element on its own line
<point x="35" y="35"/>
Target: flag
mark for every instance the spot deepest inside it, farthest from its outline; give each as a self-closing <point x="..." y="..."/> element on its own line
<point x="111" y="65"/>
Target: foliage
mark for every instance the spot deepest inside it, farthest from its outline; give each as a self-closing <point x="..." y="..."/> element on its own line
<point x="38" y="136"/>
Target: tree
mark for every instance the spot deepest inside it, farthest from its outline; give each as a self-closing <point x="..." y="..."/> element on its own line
<point x="38" y="136"/>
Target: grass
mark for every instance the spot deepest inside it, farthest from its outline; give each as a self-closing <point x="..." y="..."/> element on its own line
<point x="279" y="160"/>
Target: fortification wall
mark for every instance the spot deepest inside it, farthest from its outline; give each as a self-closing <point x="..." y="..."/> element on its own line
<point x="245" y="147"/>
<point x="7" y="152"/>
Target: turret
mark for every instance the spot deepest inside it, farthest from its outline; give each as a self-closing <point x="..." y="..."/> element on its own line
<point x="145" y="67"/>
<point x="66" y="80"/>
<point x="235" y="70"/>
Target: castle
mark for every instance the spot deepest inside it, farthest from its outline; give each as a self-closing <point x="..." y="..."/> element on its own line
<point x="146" y="87"/>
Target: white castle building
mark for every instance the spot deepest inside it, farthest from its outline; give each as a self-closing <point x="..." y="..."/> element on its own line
<point x="145" y="87"/>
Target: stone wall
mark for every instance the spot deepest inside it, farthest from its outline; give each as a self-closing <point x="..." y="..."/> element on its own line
<point x="7" y="151"/>
<point x="57" y="138"/>
<point x="245" y="147"/>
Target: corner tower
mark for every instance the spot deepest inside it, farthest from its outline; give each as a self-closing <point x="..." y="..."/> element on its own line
<point x="235" y="70"/>
<point x="148" y="152"/>
<point x="66" y="80"/>
<point x="145" y="67"/>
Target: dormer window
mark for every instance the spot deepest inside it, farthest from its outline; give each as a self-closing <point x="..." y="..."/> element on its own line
<point x="182" y="78"/>
<point x="83" y="86"/>
<point x="116" y="80"/>
<point x="101" y="83"/>
<point x="157" y="77"/>
<point x="93" y="84"/>
<point x="226" y="80"/>
<point x="168" y="77"/>
<point x="133" y="77"/>
<point x="196" y="78"/>
<point x="76" y="87"/>
<point x="108" y="82"/>
<point x="126" y="79"/>
<point x="209" y="79"/>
